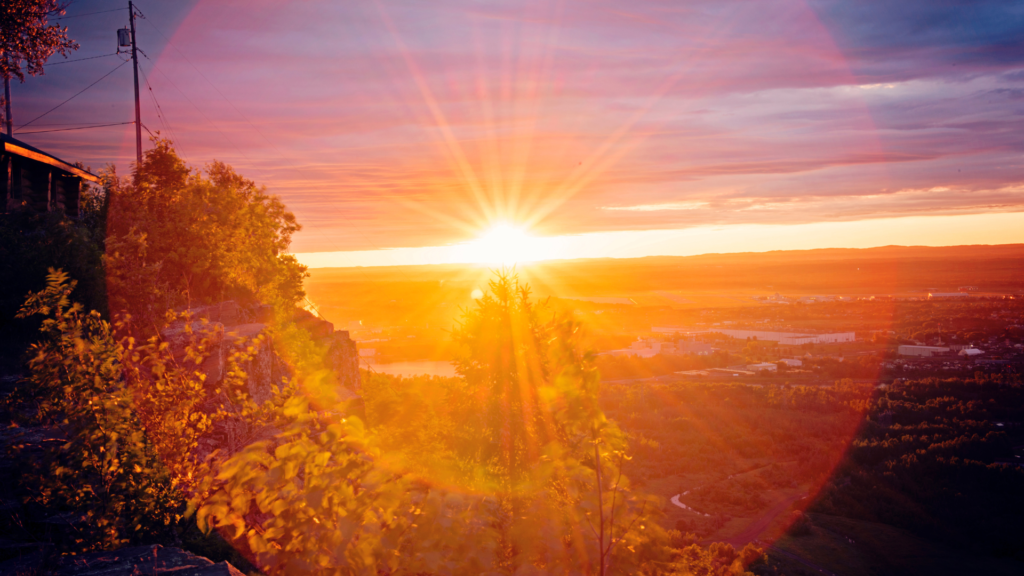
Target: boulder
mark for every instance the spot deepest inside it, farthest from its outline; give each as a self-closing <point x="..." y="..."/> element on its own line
<point x="227" y="313"/>
<point x="142" y="561"/>
<point x="260" y="368"/>
<point x="154" y="560"/>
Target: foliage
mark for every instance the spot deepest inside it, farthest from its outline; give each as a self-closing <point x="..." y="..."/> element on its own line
<point x="180" y="237"/>
<point x="529" y="383"/>
<point x="523" y="426"/>
<point x="105" y="476"/>
<point x="26" y="36"/>
<point x="312" y="501"/>
<point x="718" y="559"/>
<point x="530" y="416"/>
<point x="128" y="417"/>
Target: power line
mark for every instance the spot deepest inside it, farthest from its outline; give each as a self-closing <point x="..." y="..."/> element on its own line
<point x="73" y="97"/>
<point x="89" y="14"/>
<point x="78" y="128"/>
<point x="81" y="59"/>
<point x="160" y="112"/>
<point x="201" y="113"/>
<point x="63" y="124"/>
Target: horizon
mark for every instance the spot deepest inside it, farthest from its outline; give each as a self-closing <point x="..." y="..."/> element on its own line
<point x="779" y="252"/>
<point x="459" y="255"/>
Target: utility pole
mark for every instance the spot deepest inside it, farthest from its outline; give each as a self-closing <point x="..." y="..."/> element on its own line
<point x="7" y="108"/>
<point x="138" y="112"/>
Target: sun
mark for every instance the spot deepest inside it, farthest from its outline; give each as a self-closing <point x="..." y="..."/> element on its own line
<point x="504" y="244"/>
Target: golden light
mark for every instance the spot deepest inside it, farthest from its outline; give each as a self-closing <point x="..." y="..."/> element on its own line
<point x="504" y="244"/>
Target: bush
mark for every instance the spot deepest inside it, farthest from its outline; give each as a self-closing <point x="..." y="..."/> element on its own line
<point x="181" y="237"/>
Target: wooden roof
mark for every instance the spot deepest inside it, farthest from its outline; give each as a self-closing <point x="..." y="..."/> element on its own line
<point x="17" y="147"/>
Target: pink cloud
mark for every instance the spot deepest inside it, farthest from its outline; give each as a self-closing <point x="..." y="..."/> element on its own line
<point x="410" y="123"/>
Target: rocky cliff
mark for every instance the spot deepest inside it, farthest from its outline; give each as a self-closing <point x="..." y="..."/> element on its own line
<point x="228" y="327"/>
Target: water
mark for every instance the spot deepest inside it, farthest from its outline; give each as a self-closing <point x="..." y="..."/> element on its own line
<point x="416" y="368"/>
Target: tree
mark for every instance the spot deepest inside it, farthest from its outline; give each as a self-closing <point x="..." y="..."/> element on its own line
<point x="532" y="418"/>
<point x="27" y="37"/>
<point x="178" y="236"/>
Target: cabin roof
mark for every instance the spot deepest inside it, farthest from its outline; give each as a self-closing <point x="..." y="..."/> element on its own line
<point x="15" y="146"/>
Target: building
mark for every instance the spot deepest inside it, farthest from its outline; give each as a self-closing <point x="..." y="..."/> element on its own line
<point x="34" y="180"/>
<point x="791" y="362"/>
<point x="968" y="352"/>
<point x="908" y="350"/>
<point x="762" y="366"/>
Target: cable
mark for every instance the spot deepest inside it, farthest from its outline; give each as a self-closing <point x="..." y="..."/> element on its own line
<point x="63" y="124"/>
<point x="78" y="128"/>
<point x="205" y="117"/>
<point x="81" y="59"/>
<point x="73" y="97"/>
<point x="89" y="14"/>
<point x="160" y="113"/>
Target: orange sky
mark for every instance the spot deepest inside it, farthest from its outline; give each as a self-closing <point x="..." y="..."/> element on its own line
<point x="618" y="128"/>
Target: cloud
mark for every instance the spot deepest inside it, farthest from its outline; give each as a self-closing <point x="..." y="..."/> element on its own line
<point x="410" y="123"/>
<point x="657" y="207"/>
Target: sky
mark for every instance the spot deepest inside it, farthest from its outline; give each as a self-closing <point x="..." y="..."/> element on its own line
<point x="412" y="132"/>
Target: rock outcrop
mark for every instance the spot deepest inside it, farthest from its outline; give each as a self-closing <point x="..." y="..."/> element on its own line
<point x="343" y="358"/>
<point x="136" y="561"/>
<point x="228" y="327"/>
